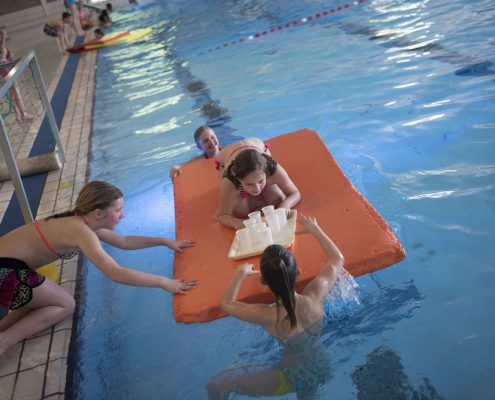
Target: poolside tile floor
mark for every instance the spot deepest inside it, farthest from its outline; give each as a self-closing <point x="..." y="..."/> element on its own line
<point x="36" y="368"/>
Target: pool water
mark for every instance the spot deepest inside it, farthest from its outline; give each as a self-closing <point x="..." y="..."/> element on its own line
<point x="401" y="92"/>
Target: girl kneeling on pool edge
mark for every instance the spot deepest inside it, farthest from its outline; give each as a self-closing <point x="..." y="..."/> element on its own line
<point x="37" y="303"/>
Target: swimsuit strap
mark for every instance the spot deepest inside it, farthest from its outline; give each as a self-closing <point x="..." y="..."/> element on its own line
<point x="240" y="148"/>
<point x="267" y="146"/>
<point x="35" y="223"/>
<point x="218" y="165"/>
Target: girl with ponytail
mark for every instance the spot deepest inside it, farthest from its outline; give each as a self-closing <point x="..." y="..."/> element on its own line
<point x="293" y="312"/>
<point x="36" y="303"/>
<point x="296" y="320"/>
<point x="251" y="179"/>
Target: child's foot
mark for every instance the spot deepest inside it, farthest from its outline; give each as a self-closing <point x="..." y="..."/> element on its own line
<point x="26" y="117"/>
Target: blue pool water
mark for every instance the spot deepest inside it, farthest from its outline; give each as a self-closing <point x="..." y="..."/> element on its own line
<point x="401" y="92"/>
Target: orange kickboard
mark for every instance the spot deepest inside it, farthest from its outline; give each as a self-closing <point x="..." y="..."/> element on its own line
<point x="363" y="236"/>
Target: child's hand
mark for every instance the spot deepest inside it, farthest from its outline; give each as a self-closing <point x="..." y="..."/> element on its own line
<point x="180" y="285"/>
<point x="239" y="225"/>
<point x="176" y="170"/>
<point x="309" y="224"/>
<point x="247" y="269"/>
<point x="178" y="245"/>
<point x="288" y="210"/>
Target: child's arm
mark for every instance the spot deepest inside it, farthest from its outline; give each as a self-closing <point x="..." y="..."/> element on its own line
<point x="228" y="195"/>
<point x="323" y="282"/>
<point x="176" y="170"/>
<point x="91" y="247"/>
<point x="229" y="221"/>
<point x="255" y="313"/>
<point x="141" y="242"/>
<point x="283" y="181"/>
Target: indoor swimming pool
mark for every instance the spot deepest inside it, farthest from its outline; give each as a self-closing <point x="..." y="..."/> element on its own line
<point x="403" y="95"/>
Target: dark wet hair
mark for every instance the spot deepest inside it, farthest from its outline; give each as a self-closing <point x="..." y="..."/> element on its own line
<point x="199" y="131"/>
<point x="104" y="16"/>
<point x="98" y="31"/>
<point x="279" y="271"/>
<point x="109" y="7"/>
<point x="94" y="195"/>
<point x="248" y="161"/>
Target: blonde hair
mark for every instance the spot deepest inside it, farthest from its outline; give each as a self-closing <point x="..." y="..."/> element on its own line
<point x="94" y="195"/>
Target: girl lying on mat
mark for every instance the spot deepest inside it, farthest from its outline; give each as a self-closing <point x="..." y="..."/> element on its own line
<point x="37" y="303"/>
<point x="251" y="180"/>
<point x="296" y="320"/>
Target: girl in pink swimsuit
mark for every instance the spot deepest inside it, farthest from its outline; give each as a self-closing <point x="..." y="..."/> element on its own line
<point x="251" y="179"/>
<point x="37" y="303"/>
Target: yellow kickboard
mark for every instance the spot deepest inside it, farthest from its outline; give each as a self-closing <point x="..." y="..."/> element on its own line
<point x="131" y="37"/>
<point x="49" y="271"/>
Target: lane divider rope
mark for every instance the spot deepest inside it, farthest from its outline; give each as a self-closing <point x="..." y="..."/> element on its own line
<point x="296" y="22"/>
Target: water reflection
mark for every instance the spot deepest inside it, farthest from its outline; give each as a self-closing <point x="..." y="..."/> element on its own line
<point x="468" y="66"/>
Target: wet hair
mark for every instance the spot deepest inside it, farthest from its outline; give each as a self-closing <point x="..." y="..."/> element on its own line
<point x="109" y="7"/>
<point x="104" y="16"/>
<point x="199" y="131"/>
<point x="279" y="271"/>
<point x="94" y="195"/>
<point x="65" y="15"/>
<point x="248" y="161"/>
<point x="98" y="31"/>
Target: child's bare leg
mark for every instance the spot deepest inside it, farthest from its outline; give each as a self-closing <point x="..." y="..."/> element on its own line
<point x="12" y="317"/>
<point x="245" y="381"/>
<point x="16" y="94"/>
<point x="50" y="304"/>
<point x="75" y="20"/>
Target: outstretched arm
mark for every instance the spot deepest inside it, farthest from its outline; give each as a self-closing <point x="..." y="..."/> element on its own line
<point x="141" y="242"/>
<point x="323" y="282"/>
<point x="89" y="244"/>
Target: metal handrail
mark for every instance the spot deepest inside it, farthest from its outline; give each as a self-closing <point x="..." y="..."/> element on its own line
<point x="10" y="160"/>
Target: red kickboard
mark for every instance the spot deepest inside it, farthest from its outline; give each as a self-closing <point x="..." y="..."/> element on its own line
<point x="94" y="45"/>
<point x="365" y="239"/>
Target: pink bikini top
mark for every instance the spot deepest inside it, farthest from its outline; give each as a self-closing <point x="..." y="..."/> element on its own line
<point x="64" y="256"/>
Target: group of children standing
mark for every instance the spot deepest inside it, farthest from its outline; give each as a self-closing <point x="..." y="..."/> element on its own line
<point x="80" y="20"/>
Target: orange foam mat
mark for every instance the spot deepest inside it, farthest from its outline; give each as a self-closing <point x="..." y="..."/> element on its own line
<point x="362" y="235"/>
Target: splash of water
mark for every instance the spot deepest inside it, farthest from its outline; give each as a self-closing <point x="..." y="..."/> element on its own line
<point x="343" y="298"/>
